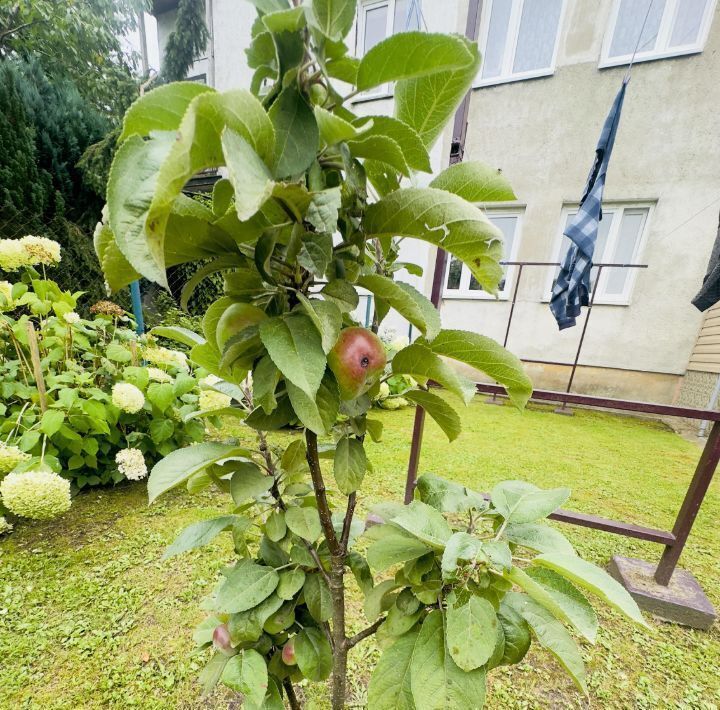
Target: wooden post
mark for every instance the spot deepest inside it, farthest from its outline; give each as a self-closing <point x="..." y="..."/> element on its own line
<point x="134" y="352"/>
<point x="37" y="368"/>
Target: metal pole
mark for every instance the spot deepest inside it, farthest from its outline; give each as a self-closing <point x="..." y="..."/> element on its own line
<point x="691" y="505"/>
<point x="457" y="150"/>
<point x="509" y="321"/>
<point x="137" y="307"/>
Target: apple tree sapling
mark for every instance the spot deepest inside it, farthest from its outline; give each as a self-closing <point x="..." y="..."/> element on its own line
<point x="315" y="202"/>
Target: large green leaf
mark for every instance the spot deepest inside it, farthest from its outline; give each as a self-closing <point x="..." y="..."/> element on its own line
<point x="389" y="687"/>
<point x="179" y="465"/>
<point x="323" y="209"/>
<point x="538" y="537"/>
<point x="247" y="673"/>
<point x="317" y="597"/>
<point x="447" y="496"/>
<point x="116" y="268"/>
<point x="461" y="547"/>
<point x="245" y="586"/>
<point x="410" y="143"/>
<point x="313" y="653"/>
<point x="295" y="347"/>
<point x="445" y="220"/>
<point x="423" y="364"/>
<point x="437" y="682"/>
<point x="443" y="414"/>
<point x="406" y="300"/>
<point x="178" y="334"/>
<point x="161" y="109"/>
<point x="304" y="522"/>
<point x="425" y="523"/>
<point x="409" y="55"/>
<point x="595" y="580"/>
<point x="564" y="603"/>
<point x="296" y="131"/>
<point x="380" y="148"/>
<point x="488" y="356"/>
<point x="317" y="413"/>
<point x="427" y="103"/>
<point x="551" y="634"/>
<point x="475" y="182"/>
<point x="393" y="547"/>
<point x="521" y="502"/>
<point x="248" y="481"/>
<point x="249" y="176"/>
<point x="327" y="319"/>
<point x="516" y="633"/>
<point x="349" y="464"/>
<point x="471" y="632"/>
<point x="333" y="128"/>
<point x="333" y="18"/>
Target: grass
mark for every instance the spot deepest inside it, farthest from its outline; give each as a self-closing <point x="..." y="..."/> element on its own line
<point x="91" y="617"/>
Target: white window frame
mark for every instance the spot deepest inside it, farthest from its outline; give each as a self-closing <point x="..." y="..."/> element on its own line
<point x="662" y="49"/>
<point x="506" y="74"/>
<point x="465" y="292"/>
<point x="618" y="208"/>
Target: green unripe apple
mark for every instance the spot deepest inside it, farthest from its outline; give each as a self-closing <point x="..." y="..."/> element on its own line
<point x="288" y="653"/>
<point x="357" y="361"/>
<point x="234" y="319"/>
<point x="318" y="94"/>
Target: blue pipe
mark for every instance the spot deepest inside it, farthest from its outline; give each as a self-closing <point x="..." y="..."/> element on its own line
<point x="137" y="307"/>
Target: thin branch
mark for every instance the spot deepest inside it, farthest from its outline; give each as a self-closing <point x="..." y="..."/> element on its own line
<point x="347" y="523"/>
<point x="313" y="460"/>
<point x="354" y="640"/>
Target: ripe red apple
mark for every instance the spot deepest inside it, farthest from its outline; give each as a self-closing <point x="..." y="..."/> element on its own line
<point x="221" y="640"/>
<point x="288" y="653"/>
<point x="357" y="361"/>
<point x="235" y="318"/>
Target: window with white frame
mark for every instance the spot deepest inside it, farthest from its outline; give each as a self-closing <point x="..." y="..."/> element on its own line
<point x="519" y="39"/>
<point x="460" y="283"/>
<point x="379" y="20"/>
<point x="672" y="28"/>
<point x="620" y="240"/>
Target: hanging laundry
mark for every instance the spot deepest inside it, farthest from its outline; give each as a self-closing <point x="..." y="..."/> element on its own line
<point x="571" y="290"/>
<point x="709" y="293"/>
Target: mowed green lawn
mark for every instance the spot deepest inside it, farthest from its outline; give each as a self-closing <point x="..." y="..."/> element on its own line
<point x="91" y="617"/>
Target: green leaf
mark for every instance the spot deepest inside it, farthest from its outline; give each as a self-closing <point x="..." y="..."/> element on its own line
<point x="314" y="655"/>
<point x="327" y="319"/>
<point x="320" y="412"/>
<point x="116" y="268"/>
<point x="406" y="300"/>
<point x="161" y="394"/>
<point x="349" y="465"/>
<point x="595" y="580"/>
<point x="516" y="633"/>
<point x="377" y="598"/>
<point x="296" y="131"/>
<point x="117" y="352"/>
<point x="248" y="481"/>
<point x="161" y="109"/>
<point x="374" y="429"/>
<point x="333" y="128"/>
<point x="280" y="417"/>
<point x="51" y="421"/>
<point x="304" y="522"/>
<point x="291" y="582"/>
<point x="447" y="496"/>
<point x="178" y="334"/>
<point x="317" y="597"/>
<point x="161" y="429"/>
<point x="411" y="145"/>
<point x="420" y="362"/>
<point x="290" y="20"/>
<point x="409" y="55"/>
<point x="445" y="220"/>
<point x="247" y="626"/>
<point x="343" y="68"/>
<point x="210" y="675"/>
<point x="295" y="347"/>
<point x="488" y="356"/>
<point x="538" y="537"/>
<point x="268" y="6"/>
<point x="342" y="294"/>
<point x="425" y="523"/>
<point x="249" y="176"/>
<point x="395" y="546"/>
<point x="245" y="586"/>
<point x="551" y="634"/>
<point x="322" y="211"/>
<point x="461" y="547"/>
<point x="437" y="682"/>
<point x="471" y="632"/>
<point x="389" y="687"/>
<point x="275" y="527"/>
<point x="316" y="252"/>
<point x="380" y="148"/>
<point x="265" y="379"/>
<point x="333" y="18"/>
<point x="246" y="673"/>
<point x="428" y="103"/>
<point x="521" y="502"/>
<point x="199" y="534"/>
<point x="443" y="414"/>
<point x="178" y="466"/>
<point x="475" y="182"/>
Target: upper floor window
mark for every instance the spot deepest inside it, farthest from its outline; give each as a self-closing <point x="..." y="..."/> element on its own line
<point x="379" y="20"/>
<point x="620" y="240"/>
<point x="460" y="283"/>
<point x="672" y="28"/>
<point x="519" y="39"/>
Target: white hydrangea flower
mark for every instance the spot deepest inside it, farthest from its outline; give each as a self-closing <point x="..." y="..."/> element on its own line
<point x="71" y="318"/>
<point x="39" y="495"/>
<point x="5" y="526"/>
<point x="10" y="457"/>
<point x="167" y="358"/>
<point x="131" y="463"/>
<point x="158" y="375"/>
<point x="6" y="299"/>
<point x="209" y="381"/>
<point x="41" y="250"/>
<point x="384" y="392"/>
<point x="211" y="400"/>
<point x="399" y="343"/>
<point x="12" y="255"/>
<point x="127" y="397"/>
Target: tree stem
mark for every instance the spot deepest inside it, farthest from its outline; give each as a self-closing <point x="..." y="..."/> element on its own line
<point x="313" y="460"/>
<point x="290" y="692"/>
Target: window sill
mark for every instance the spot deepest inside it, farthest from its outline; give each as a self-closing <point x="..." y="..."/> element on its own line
<point x="486" y="297"/>
<point x="607" y="62"/>
<point x="493" y="81"/>
<point x="363" y="99"/>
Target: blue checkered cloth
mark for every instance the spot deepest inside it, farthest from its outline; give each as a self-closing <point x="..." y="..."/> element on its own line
<point x="571" y="290"/>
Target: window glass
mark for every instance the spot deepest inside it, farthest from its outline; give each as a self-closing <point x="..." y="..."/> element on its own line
<point x="536" y="39"/>
<point x="631" y="16"/>
<point x="626" y="243"/>
<point x="454" y="274"/>
<point x="600" y="244"/>
<point x="407" y="16"/>
<point x="497" y="36"/>
<point x="375" y="26"/>
<point x="688" y="19"/>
